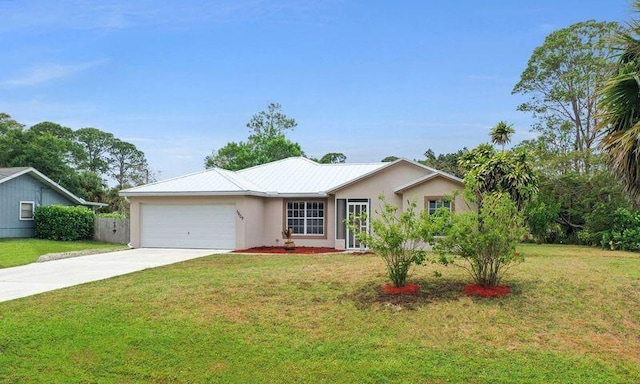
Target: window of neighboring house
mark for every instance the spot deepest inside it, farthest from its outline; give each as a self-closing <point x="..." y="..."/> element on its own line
<point x="433" y="203"/>
<point x="306" y="217"/>
<point x="26" y="210"/>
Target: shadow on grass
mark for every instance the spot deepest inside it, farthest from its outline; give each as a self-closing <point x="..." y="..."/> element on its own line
<point x="434" y="290"/>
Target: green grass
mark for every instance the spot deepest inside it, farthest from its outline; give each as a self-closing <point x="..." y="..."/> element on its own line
<point x="14" y="252"/>
<point x="573" y="317"/>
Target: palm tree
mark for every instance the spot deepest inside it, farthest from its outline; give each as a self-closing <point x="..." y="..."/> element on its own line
<point x="501" y="134"/>
<point x="619" y="105"/>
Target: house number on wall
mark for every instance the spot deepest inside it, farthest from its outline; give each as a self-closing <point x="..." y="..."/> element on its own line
<point x="240" y="215"/>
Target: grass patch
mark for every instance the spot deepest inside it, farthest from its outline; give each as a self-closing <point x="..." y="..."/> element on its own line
<point x="573" y="317"/>
<point x="14" y="252"/>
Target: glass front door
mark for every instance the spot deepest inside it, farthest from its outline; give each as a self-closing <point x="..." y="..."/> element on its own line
<point x="355" y="210"/>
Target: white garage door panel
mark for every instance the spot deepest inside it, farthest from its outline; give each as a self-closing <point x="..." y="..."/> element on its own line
<point x="189" y="226"/>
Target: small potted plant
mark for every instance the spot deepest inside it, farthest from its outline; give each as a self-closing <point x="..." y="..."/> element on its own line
<point x="289" y="245"/>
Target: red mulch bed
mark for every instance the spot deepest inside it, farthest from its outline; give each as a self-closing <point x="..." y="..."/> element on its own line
<point x="297" y="250"/>
<point x="479" y="290"/>
<point x="407" y="289"/>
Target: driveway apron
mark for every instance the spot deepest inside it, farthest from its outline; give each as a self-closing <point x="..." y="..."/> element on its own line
<point x="31" y="279"/>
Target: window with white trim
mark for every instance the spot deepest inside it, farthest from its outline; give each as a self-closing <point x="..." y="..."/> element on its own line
<point x="306" y="217"/>
<point x="434" y="205"/>
<point x="26" y="210"/>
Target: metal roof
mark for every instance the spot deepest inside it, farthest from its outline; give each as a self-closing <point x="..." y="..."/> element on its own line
<point x="294" y="176"/>
<point x="298" y="175"/>
<point x="291" y="177"/>
<point x="211" y="181"/>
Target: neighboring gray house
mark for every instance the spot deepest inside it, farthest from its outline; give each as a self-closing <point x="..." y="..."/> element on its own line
<point x="23" y="189"/>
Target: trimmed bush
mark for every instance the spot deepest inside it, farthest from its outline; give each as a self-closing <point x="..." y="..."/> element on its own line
<point x="486" y="240"/>
<point x="112" y="215"/>
<point x="398" y="237"/>
<point x="59" y="222"/>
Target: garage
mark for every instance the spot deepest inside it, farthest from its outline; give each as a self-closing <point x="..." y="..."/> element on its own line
<point x="211" y="226"/>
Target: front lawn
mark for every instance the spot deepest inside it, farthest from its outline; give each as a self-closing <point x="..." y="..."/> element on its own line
<point x="573" y="317"/>
<point x="14" y="252"/>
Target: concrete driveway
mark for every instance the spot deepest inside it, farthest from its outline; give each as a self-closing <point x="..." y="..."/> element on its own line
<point x="31" y="279"/>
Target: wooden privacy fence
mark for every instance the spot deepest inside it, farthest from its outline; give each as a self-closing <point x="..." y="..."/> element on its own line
<point x="110" y="230"/>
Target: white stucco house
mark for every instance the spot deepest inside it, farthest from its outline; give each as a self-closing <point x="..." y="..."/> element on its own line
<point x="221" y="209"/>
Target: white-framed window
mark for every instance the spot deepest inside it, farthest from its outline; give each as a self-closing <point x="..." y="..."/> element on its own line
<point x="307" y="218"/>
<point x="26" y="210"/>
<point x="435" y="203"/>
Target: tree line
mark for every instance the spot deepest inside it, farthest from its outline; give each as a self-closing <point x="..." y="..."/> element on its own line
<point x="81" y="161"/>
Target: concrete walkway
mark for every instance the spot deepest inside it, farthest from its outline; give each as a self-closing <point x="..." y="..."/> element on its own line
<point x="31" y="279"/>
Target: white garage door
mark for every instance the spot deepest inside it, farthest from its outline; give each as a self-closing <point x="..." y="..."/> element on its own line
<point x="188" y="226"/>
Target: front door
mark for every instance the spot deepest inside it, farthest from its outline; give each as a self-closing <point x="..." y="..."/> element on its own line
<point x="355" y="210"/>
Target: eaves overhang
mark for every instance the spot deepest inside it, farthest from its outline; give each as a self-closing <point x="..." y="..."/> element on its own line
<point x="228" y="193"/>
<point x="194" y="193"/>
<point x="309" y="195"/>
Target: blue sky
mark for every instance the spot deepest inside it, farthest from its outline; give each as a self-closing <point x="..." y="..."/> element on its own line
<point x="365" y="78"/>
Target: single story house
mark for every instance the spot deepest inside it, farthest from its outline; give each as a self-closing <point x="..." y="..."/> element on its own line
<point x="23" y="189"/>
<point x="221" y="209"/>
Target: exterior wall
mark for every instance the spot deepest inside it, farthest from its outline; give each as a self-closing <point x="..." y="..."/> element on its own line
<point x="260" y="221"/>
<point x="439" y="186"/>
<point x="253" y="211"/>
<point x="24" y="188"/>
<point x="249" y="208"/>
<point x="274" y="224"/>
<point x="382" y="183"/>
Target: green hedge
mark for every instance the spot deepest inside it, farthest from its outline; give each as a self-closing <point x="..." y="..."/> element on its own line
<point x="112" y="215"/>
<point x="59" y="222"/>
<point x="612" y="229"/>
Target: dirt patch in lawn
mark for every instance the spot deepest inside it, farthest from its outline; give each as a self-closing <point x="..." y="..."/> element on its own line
<point x="296" y="251"/>
<point x="372" y="294"/>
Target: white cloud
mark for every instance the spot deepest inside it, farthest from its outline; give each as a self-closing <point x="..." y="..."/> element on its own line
<point x="49" y="72"/>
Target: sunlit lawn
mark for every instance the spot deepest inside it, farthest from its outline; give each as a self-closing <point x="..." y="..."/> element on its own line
<point x="573" y="317"/>
<point x="15" y="252"/>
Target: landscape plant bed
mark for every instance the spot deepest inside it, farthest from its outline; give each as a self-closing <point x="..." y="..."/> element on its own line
<point x="481" y="290"/>
<point x="408" y="289"/>
<point x="297" y="250"/>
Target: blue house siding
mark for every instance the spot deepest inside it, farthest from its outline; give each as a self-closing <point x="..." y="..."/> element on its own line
<point x="24" y="188"/>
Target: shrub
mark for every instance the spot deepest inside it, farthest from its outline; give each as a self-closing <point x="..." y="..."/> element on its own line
<point x="485" y="240"/>
<point x="397" y="237"/>
<point x="541" y="218"/>
<point x="112" y="215"/>
<point x="613" y="229"/>
<point x="58" y="222"/>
